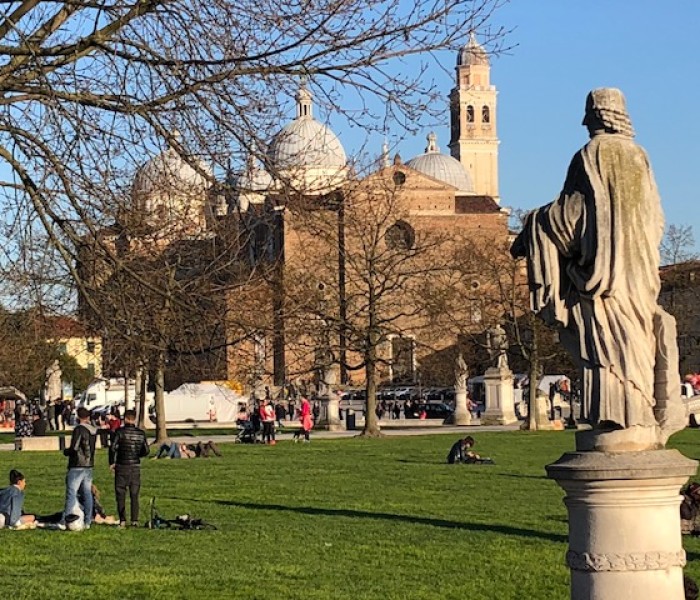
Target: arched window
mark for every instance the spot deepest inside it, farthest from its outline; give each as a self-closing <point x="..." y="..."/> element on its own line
<point x="485" y="114"/>
<point x="470" y="114"/>
<point x="399" y="178"/>
<point x="400" y="236"/>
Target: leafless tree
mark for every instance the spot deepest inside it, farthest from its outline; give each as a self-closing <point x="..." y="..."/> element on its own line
<point x="678" y="245"/>
<point x="90" y="89"/>
<point x="360" y="275"/>
<point x="504" y="299"/>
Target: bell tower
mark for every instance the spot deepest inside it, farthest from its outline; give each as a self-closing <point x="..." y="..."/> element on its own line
<point x="474" y="139"/>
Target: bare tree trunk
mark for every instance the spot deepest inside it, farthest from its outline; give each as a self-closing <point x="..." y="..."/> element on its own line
<point x="534" y="380"/>
<point x="371" y="421"/>
<point x="161" y="428"/>
<point x="126" y="389"/>
<point x="142" y="411"/>
<point x="140" y="398"/>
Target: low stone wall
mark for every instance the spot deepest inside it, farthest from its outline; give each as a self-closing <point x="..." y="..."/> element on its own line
<point x="43" y="443"/>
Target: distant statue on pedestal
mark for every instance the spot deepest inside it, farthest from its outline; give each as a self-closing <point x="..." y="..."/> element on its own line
<point x="497" y="344"/>
<point x="461" y="374"/>
<point x="462" y="416"/>
<point x="53" y="382"/>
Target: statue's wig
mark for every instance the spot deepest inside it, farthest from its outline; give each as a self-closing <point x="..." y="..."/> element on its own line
<point x="609" y="107"/>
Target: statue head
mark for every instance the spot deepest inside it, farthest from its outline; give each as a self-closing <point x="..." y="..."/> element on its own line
<point x="606" y="111"/>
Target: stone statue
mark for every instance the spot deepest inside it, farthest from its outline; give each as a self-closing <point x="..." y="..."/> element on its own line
<point x="497" y="344"/>
<point x="461" y="374"/>
<point x="593" y="271"/>
<point x="53" y="382"/>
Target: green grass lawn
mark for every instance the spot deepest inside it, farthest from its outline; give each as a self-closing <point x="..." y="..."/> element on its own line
<point x="334" y="519"/>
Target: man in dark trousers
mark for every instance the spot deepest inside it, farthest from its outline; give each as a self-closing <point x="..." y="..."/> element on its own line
<point x="128" y="447"/>
<point x="81" y="460"/>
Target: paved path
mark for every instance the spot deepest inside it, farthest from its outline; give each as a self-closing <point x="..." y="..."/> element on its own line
<point x="325" y="435"/>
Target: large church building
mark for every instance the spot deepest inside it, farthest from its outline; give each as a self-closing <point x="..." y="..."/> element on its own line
<point x="294" y="222"/>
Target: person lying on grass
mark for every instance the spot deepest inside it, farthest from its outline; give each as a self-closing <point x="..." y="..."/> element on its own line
<point x="461" y="453"/>
<point x="11" y="502"/>
<point x="99" y="514"/>
<point x="198" y="450"/>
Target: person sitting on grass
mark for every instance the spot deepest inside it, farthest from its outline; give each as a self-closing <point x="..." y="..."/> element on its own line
<point x="11" y="502"/>
<point x="461" y="452"/>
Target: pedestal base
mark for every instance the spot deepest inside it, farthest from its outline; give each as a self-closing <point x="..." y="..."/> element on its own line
<point x="461" y="416"/>
<point x="329" y="418"/>
<point x="624" y="523"/>
<point x="500" y="407"/>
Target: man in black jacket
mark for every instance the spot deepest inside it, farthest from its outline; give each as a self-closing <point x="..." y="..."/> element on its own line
<point x="129" y="445"/>
<point x="81" y="460"/>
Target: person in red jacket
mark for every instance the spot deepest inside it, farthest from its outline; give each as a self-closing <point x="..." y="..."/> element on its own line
<point x="267" y="416"/>
<point x="305" y="418"/>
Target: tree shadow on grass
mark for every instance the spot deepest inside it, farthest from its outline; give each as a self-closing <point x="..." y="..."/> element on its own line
<point x="382" y="516"/>
<point x="521" y="476"/>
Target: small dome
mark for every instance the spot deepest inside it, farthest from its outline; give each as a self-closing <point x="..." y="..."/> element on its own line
<point x="168" y="172"/>
<point x="254" y="179"/>
<point x="252" y="185"/>
<point x="442" y="167"/>
<point x="472" y="53"/>
<point x="168" y="191"/>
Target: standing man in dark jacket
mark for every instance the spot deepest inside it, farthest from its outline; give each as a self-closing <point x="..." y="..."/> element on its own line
<point x="129" y="445"/>
<point x="81" y="460"/>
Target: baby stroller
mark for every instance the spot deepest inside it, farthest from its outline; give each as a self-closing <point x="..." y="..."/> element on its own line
<point x="246" y="432"/>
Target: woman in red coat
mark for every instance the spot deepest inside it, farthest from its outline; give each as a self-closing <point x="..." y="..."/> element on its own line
<point x="305" y="418"/>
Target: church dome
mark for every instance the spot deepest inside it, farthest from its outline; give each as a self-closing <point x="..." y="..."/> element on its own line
<point x="472" y="53"/>
<point x="168" y="192"/>
<point x="252" y="185"/>
<point x="307" y="151"/>
<point x="442" y="167"/>
<point x="168" y="171"/>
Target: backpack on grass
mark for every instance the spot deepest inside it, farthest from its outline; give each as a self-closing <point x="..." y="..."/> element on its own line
<point x="181" y="522"/>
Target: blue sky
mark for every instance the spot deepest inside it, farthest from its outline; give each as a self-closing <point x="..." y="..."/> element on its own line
<point x="561" y="50"/>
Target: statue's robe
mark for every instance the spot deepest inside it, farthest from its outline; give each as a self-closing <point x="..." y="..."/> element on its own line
<point x="593" y="269"/>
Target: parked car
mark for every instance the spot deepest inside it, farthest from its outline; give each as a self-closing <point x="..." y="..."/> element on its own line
<point x="434" y="410"/>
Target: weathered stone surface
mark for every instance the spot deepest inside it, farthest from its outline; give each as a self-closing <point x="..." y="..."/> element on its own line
<point x="42" y="443"/>
<point x="461" y="416"/>
<point x="500" y="408"/>
<point x="624" y="523"/>
<point x="593" y="270"/>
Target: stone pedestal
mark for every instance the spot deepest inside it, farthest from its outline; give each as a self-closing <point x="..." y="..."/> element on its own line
<point x="624" y="522"/>
<point x="330" y="413"/>
<point x="540" y="414"/>
<point x="461" y="416"/>
<point x="500" y="407"/>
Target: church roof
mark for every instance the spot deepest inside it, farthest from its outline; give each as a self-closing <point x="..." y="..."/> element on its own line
<point x="472" y="53"/>
<point x="442" y="167"/>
